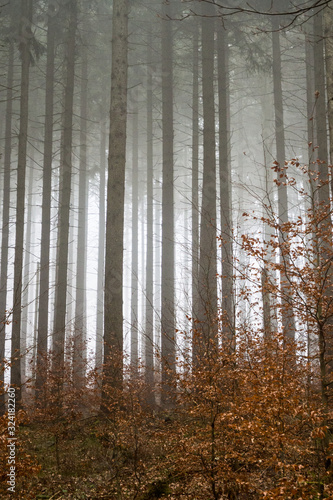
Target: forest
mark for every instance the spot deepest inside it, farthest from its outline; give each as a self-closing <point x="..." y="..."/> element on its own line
<point x="166" y="259"/>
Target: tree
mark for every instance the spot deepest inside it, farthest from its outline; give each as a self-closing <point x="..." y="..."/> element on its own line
<point x="25" y="47"/>
<point x="81" y="257"/>
<point x="195" y="172"/>
<point x="225" y="186"/>
<point x="113" y="298"/>
<point x="207" y="285"/>
<point x="64" y="198"/>
<point x="101" y="247"/>
<point x="5" y="216"/>
<point x="135" y="234"/>
<point x="43" y="306"/>
<point x="149" y="331"/>
<point x="328" y="34"/>
<point x="167" y="283"/>
<point x="288" y="321"/>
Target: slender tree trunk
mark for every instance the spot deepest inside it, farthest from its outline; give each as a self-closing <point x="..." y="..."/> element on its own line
<point x="79" y="361"/>
<point x="207" y="310"/>
<point x="225" y="190"/>
<point x="320" y="108"/>
<point x="25" y="43"/>
<point x="195" y="173"/>
<point x="310" y="95"/>
<point x="328" y="37"/>
<point x="135" y="235"/>
<point x="101" y="250"/>
<point x="267" y="276"/>
<point x="43" y="307"/>
<point x="149" y="330"/>
<point x="113" y="298"/>
<point x="324" y="206"/>
<point x="26" y="278"/>
<point x="5" y="219"/>
<point x="64" y="202"/>
<point x="288" y="321"/>
<point x="71" y="267"/>
<point x="167" y="284"/>
<point x="35" y="330"/>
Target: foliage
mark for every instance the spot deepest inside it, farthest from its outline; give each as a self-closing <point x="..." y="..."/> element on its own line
<point x="26" y="465"/>
<point x="248" y="417"/>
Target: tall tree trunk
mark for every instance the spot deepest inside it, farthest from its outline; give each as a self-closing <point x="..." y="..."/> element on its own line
<point x="26" y="277"/>
<point x="324" y="206"/>
<point x="35" y="330"/>
<point x="113" y="299"/>
<point x="135" y="234"/>
<point x="328" y="36"/>
<point x="25" y="43"/>
<point x="195" y="172"/>
<point x="101" y="250"/>
<point x="79" y="361"/>
<point x="64" y="202"/>
<point x="288" y="321"/>
<point x="207" y="310"/>
<point x="267" y="276"/>
<point x="43" y="306"/>
<point x="225" y="190"/>
<point x="167" y="284"/>
<point x="320" y="108"/>
<point x="5" y="218"/>
<point x="310" y="93"/>
<point x="149" y="330"/>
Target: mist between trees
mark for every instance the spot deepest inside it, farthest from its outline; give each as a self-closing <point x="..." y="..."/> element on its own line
<point x="166" y="255"/>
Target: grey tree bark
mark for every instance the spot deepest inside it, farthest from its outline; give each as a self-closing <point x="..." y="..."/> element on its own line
<point x="25" y="44"/>
<point x="135" y="233"/>
<point x="149" y="330"/>
<point x="80" y="327"/>
<point x="228" y="320"/>
<point x="167" y="283"/>
<point x="64" y="200"/>
<point x="26" y="276"/>
<point x="320" y="107"/>
<point x="43" y="306"/>
<point x="288" y="321"/>
<point x="268" y="133"/>
<point x="5" y="218"/>
<point x="206" y="335"/>
<point x="101" y="249"/>
<point x="195" y="171"/>
<point x="328" y="37"/>
<point x="113" y="298"/>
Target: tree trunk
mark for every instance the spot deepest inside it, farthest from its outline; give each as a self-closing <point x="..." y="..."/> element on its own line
<point x="5" y="219"/>
<point x="328" y="36"/>
<point x="207" y="309"/>
<point x="79" y="361"/>
<point x="101" y="250"/>
<point x="195" y="173"/>
<point x="167" y="284"/>
<point x="324" y="200"/>
<point x="288" y="321"/>
<point x="64" y="202"/>
<point x="149" y="330"/>
<point x="27" y="277"/>
<point x="320" y="108"/>
<point x="135" y="234"/>
<point x="113" y="299"/>
<point x="267" y="110"/>
<point x="228" y="321"/>
<point x="43" y="307"/>
<point x="25" y="43"/>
